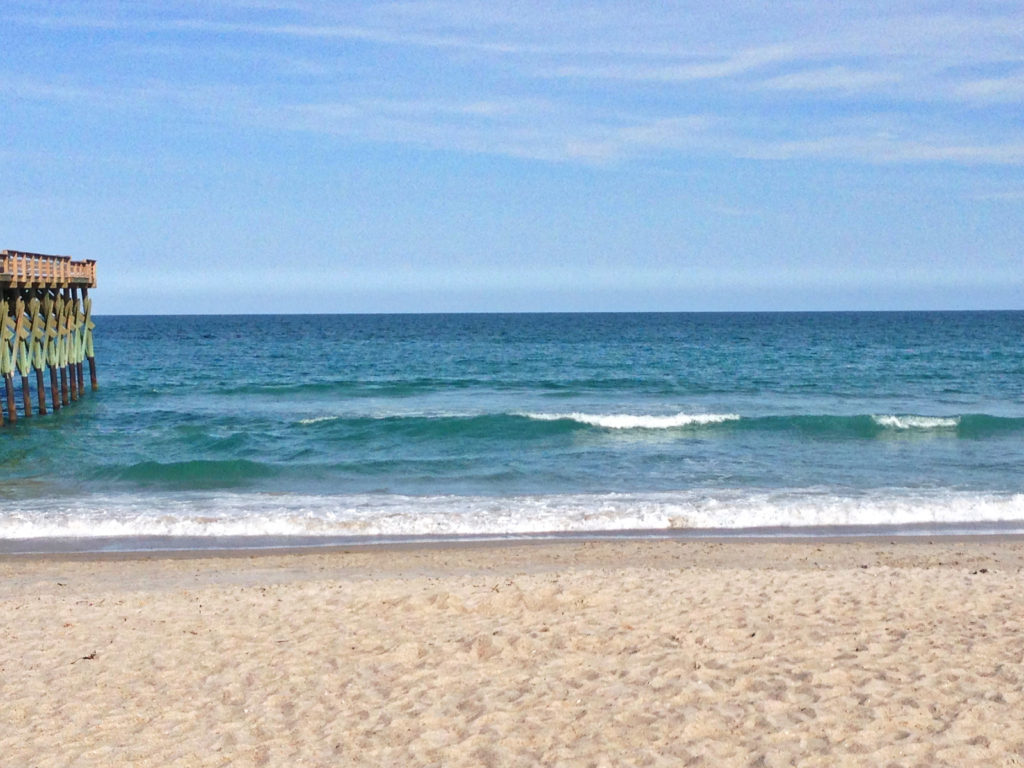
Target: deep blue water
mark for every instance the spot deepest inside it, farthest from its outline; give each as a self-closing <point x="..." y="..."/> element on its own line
<point x="349" y="425"/>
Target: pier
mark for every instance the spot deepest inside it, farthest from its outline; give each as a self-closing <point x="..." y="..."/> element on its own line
<point x="46" y="327"/>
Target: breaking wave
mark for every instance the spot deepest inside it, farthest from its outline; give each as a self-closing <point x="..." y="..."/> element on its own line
<point x="630" y="421"/>
<point x="917" y="422"/>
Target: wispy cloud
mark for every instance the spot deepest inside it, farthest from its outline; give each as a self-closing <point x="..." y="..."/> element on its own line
<point x="597" y="83"/>
<point x="705" y="68"/>
<point x="886" y="150"/>
<point x="833" y="79"/>
<point x="1008" y="89"/>
<point x="529" y="129"/>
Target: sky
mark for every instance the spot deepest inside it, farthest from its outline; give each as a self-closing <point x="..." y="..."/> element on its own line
<point x="251" y="156"/>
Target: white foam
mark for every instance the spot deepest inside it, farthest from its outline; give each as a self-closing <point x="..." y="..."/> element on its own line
<point x="631" y="421"/>
<point x="318" y="419"/>
<point x="256" y="514"/>
<point x="917" y="422"/>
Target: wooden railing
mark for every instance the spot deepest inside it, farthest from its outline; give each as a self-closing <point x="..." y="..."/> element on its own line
<point x="27" y="269"/>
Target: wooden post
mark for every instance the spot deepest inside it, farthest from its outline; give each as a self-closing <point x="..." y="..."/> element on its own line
<point x="72" y="382"/>
<point x="50" y="343"/>
<point x="8" y="350"/>
<point x="12" y="412"/>
<point x="79" y="340"/>
<point x="26" y="397"/>
<point x="40" y="391"/>
<point x="38" y="347"/>
<point x="69" y="342"/>
<point x="54" y="398"/>
<point x="87" y="306"/>
<point x="62" y="344"/>
<point x="23" y="350"/>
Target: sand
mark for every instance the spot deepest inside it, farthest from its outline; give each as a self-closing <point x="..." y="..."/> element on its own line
<point x="664" y="653"/>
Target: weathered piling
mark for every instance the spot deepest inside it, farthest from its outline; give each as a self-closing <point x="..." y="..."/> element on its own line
<point x="37" y="334"/>
<point x="23" y="353"/>
<point x="44" y="325"/>
<point x="87" y="326"/>
<point x="50" y="308"/>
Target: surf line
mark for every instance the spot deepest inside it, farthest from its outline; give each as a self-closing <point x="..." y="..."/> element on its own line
<point x="45" y="325"/>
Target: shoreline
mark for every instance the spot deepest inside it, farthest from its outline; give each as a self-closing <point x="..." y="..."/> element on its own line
<point x="199" y="546"/>
<point x="722" y="652"/>
<point x="445" y="558"/>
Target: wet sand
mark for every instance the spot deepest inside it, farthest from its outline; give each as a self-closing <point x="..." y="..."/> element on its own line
<point x="823" y="652"/>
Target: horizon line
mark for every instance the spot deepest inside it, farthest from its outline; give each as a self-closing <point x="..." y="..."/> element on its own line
<point x="570" y="312"/>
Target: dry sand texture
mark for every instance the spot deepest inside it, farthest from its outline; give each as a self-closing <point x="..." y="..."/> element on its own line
<point x="631" y="653"/>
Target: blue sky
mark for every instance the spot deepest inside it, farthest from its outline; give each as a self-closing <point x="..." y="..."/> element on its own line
<point x="249" y="156"/>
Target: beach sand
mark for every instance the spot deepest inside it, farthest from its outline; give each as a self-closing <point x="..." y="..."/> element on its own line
<point x="606" y="653"/>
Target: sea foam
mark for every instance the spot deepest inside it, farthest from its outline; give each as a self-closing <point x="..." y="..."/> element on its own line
<point x="631" y="421"/>
<point x="917" y="422"/>
<point x="317" y="420"/>
<point x="362" y="516"/>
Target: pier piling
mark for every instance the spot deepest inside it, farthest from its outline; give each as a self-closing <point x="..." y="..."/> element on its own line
<point x="12" y="412"/>
<point x="87" y="326"/>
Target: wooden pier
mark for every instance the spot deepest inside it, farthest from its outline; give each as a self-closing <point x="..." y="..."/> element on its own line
<point x="45" y="326"/>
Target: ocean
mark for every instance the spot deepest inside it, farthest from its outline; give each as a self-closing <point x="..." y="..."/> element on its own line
<point x="212" y="431"/>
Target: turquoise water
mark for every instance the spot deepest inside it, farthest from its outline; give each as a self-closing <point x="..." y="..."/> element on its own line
<point x="404" y="425"/>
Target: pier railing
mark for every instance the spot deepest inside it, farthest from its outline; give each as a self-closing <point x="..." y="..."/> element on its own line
<point x="26" y="270"/>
